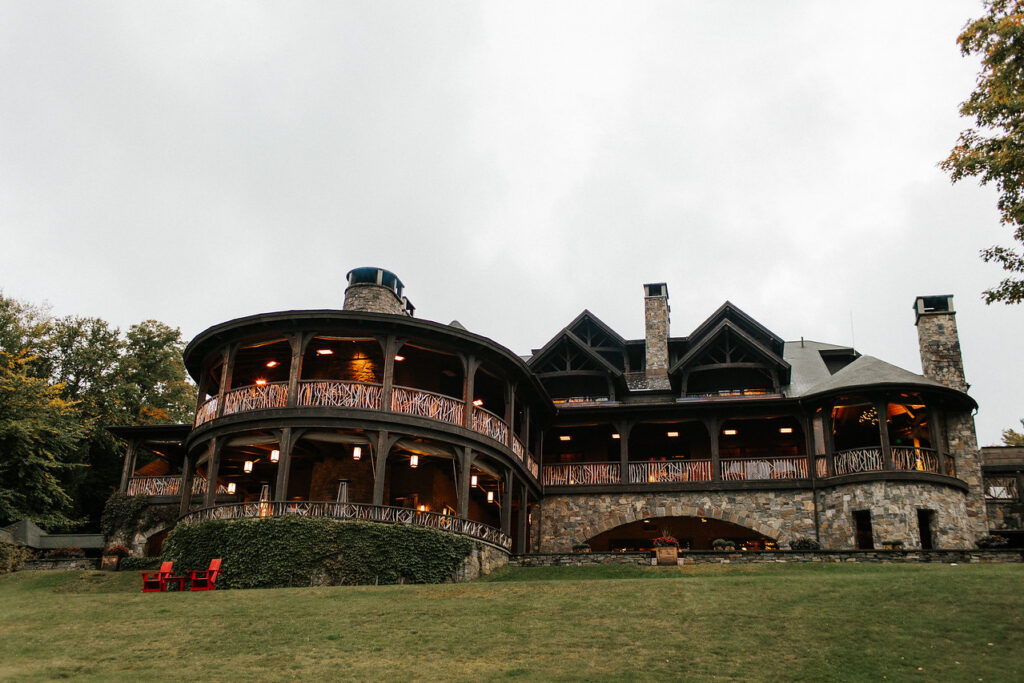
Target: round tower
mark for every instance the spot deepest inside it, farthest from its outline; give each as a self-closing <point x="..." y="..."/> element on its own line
<point x="376" y="290"/>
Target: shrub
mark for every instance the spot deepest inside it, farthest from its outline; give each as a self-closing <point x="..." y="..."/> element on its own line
<point x="298" y="551"/>
<point x="71" y="553"/>
<point x="139" y="564"/>
<point x="805" y="544"/>
<point x="722" y="544"/>
<point x="121" y="514"/>
<point x="118" y="550"/>
<point x="12" y="557"/>
<point x="993" y="542"/>
<point x="580" y="547"/>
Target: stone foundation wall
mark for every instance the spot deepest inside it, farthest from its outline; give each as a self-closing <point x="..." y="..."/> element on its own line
<point x="690" y="557"/>
<point x="63" y="564"/>
<point x="894" y="509"/>
<point x="1005" y="516"/>
<point x="482" y="561"/>
<point x="784" y="515"/>
<point x="962" y="443"/>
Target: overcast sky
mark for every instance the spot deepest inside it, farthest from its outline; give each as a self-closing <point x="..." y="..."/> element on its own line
<point x="513" y="163"/>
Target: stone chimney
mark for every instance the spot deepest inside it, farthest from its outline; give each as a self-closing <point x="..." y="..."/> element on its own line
<point x="376" y="290"/>
<point x="656" y="334"/>
<point x="941" y="359"/>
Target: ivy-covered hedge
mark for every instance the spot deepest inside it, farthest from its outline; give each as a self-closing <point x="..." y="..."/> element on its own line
<point x="299" y="551"/>
<point x="121" y="514"/>
<point x="12" y="557"/>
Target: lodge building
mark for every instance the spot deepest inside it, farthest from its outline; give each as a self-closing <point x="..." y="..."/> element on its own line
<point x="729" y="432"/>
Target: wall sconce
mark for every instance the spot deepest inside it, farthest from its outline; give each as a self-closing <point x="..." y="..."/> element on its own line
<point x="490" y="496"/>
<point x="673" y="435"/>
<point x="231" y="487"/>
<point x="729" y="432"/>
<point x="478" y="402"/>
<point x="247" y="467"/>
<point x="275" y="455"/>
<point x="473" y="480"/>
<point x="357" y="452"/>
<point x="414" y="461"/>
<point x="399" y="358"/>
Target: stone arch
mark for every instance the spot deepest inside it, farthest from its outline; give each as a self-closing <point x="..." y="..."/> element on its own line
<point x="688" y="510"/>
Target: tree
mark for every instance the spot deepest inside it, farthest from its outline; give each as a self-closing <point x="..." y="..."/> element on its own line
<point x="994" y="150"/>
<point x="1012" y="438"/>
<point x="39" y="439"/>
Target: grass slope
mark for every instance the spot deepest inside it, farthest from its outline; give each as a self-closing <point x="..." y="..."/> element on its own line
<point x="755" y="622"/>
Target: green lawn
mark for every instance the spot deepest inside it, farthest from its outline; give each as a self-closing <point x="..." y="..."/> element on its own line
<point x="752" y="622"/>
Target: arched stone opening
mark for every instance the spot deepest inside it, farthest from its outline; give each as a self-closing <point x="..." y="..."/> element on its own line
<point x="693" y="533"/>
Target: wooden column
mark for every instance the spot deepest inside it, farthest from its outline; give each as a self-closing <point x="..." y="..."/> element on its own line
<point x="714" y="427"/>
<point x="390" y="346"/>
<point x="524" y="434"/>
<point x="506" y="502"/>
<point x="883" y="433"/>
<point x="830" y="449"/>
<point x="187" y="475"/>
<point x="284" y="464"/>
<point x="510" y="410"/>
<point x="298" y="344"/>
<point x="623" y="427"/>
<point x="226" y="372"/>
<point x="465" y="466"/>
<point x="524" y="520"/>
<point x="129" y="462"/>
<point x="212" y="467"/>
<point x="812" y="455"/>
<point x="380" y="463"/>
<point x="470" y="364"/>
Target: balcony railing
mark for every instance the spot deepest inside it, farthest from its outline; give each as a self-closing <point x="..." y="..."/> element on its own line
<point x="207" y="411"/>
<point x="758" y="469"/>
<point x="1001" y="488"/>
<point x="489" y="424"/>
<point x="669" y="471"/>
<point x="857" y="460"/>
<point x="256" y="397"/>
<point x="354" y="511"/>
<point x="338" y="394"/>
<point x="166" y="486"/>
<point x="427" y="404"/>
<point x="919" y="459"/>
<point x="582" y="473"/>
<point x="820" y="466"/>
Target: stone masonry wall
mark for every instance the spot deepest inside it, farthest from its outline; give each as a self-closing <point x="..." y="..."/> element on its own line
<point x="939" y="343"/>
<point x="962" y="444"/>
<point x="894" y="509"/>
<point x="482" y="561"/>
<point x="373" y="299"/>
<point x="656" y="332"/>
<point x="563" y="520"/>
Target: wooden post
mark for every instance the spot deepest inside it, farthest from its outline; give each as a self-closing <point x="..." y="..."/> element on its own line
<point x="284" y="463"/>
<point x="506" y="503"/>
<point x="298" y="345"/>
<point x="883" y="433"/>
<point x="212" y="468"/>
<point x="524" y="434"/>
<point x="390" y="346"/>
<point x="129" y="463"/>
<point x="624" y="427"/>
<point x="713" y="425"/>
<point x="524" y="520"/>
<point x="465" y="466"/>
<point x="381" y="452"/>
<point x="227" y="371"/>
<point x="470" y="363"/>
<point x="812" y="456"/>
<point x="187" y="474"/>
<point x="510" y="410"/>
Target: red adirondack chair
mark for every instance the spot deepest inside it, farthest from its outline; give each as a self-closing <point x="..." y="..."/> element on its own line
<point x="156" y="582"/>
<point x="205" y="579"/>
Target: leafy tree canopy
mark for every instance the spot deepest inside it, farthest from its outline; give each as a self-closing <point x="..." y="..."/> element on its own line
<point x="993" y="151"/>
<point x="105" y="377"/>
<point x="1012" y="438"/>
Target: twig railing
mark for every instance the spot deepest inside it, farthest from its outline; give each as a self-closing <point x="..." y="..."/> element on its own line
<point x="669" y="471"/>
<point x="582" y="473"/>
<point x="757" y="469"/>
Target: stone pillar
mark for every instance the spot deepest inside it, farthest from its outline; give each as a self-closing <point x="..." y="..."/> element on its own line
<point x="656" y="322"/>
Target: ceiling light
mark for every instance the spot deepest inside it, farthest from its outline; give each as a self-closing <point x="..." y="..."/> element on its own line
<point x="729" y="432"/>
<point x="490" y="496"/>
<point x="399" y="358"/>
<point x="479" y="402"/>
<point x="673" y="435"/>
<point x="473" y="480"/>
<point x="275" y="455"/>
<point x="272" y="363"/>
<point x="357" y="452"/>
<point x="616" y="436"/>
<point x="247" y="467"/>
<point x="261" y="381"/>
<point x="414" y="461"/>
<point x="231" y="487"/>
<point x="565" y="437"/>
<point x="785" y="430"/>
<point x="324" y="352"/>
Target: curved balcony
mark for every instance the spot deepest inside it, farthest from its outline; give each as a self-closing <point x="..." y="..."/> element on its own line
<point x="369" y="396"/>
<point x="383" y="514"/>
<point x="166" y="486"/>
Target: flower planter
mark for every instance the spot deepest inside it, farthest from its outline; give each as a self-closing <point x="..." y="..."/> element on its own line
<point x="110" y="563"/>
<point x="667" y="555"/>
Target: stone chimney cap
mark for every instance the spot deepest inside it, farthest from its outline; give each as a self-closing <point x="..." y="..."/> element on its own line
<point x="656" y="289"/>
<point x="936" y="303"/>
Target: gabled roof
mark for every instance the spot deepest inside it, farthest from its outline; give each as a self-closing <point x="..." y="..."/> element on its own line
<point x="709" y="338"/>
<point x="587" y="316"/>
<point x="567" y="337"/>
<point x="868" y="371"/>
<point x="729" y="311"/>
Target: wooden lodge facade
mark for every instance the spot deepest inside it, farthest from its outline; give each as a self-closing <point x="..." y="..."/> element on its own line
<point x="729" y="432"/>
